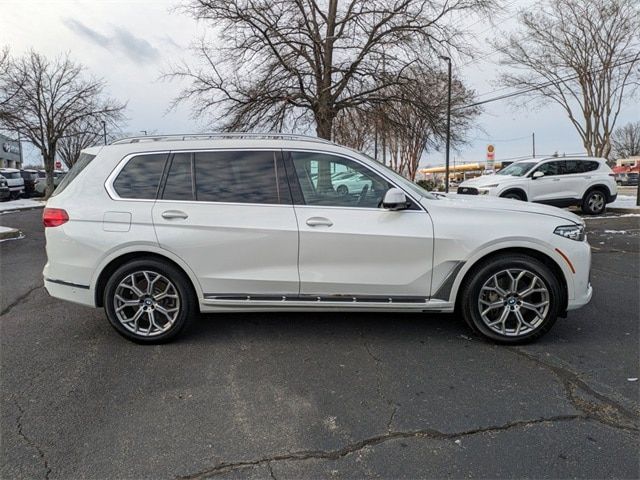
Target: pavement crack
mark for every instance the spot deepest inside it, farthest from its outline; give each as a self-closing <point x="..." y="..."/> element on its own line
<point x="604" y="409"/>
<point x="337" y="454"/>
<point x="9" y="307"/>
<point x="30" y="442"/>
<point x="379" y="383"/>
<point x="271" y="474"/>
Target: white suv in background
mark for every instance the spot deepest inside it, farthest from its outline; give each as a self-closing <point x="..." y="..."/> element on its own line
<point x="154" y="229"/>
<point x="562" y="182"/>
<point x="15" y="181"/>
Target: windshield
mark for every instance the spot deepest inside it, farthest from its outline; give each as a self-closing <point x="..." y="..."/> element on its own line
<point x="11" y="175"/>
<point x="517" y="169"/>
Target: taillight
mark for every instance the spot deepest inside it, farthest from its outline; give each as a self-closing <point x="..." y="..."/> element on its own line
<point x="54" y="217"/>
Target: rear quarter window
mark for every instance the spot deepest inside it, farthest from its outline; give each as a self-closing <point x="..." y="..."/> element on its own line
<point x="84" y="160"/>
<point x="140" y="177"/>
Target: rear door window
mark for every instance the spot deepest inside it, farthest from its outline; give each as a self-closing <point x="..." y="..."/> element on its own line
<point x="241" y="177"/>
<point x="140" y="177"/>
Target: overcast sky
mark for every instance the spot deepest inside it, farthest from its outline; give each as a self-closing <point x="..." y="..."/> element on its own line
<point x="129" y="43"/>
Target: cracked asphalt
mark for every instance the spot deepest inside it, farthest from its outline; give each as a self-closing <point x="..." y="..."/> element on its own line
<point x="318" y="395"/>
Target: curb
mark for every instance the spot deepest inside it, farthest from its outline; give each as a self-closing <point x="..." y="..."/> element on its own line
<point x="19" y="209"/>
<point x="13" y="233"/>
<point x="623" y="210"/>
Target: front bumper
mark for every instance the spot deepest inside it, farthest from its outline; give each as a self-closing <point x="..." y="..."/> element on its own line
<point x="580" y="300"/>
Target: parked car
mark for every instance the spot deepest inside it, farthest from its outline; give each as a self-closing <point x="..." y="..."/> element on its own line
<point x="627" y="179"/>
<point x="31" y="179"/>
<point x="350" y="182"/>
<point x="5" y="193"/>
<point x="154" y="231"/>
<point x="41" y="186"/>
<point x="562" y="182"/>
<point x="14" y="180"/>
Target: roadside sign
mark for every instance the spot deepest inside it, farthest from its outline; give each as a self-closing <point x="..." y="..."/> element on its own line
<point x="58" y="164"/>
<point x="491" y="156"/>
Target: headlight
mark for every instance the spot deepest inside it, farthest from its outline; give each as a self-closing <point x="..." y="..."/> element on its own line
<point x="574" y="232"/>
<point x="494" y="185"/>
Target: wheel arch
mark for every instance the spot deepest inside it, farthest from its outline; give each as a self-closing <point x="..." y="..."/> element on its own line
<point x="550" y="262"/>
<point x="599" y="186"/>
<point x="518" y="190"/>
<point x="115" y="262"/>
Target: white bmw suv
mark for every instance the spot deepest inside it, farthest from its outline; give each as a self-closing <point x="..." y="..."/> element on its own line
<point x="155" y="229"/>
<point x="562" y="182"/>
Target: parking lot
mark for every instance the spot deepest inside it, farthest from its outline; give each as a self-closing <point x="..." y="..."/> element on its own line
<point x="319" y="395"/>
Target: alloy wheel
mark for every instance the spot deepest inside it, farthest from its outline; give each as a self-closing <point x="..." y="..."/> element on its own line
<point x="596" y="202"/>
<point x="513" y="302"/>
<point x="146" y="303"/>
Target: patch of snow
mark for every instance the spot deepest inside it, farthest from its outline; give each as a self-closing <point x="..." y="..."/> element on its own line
<point x="615" y="231"/>
<point x="5" y="229"/>
<point x="21" y="204"/>
<point x="624" y="201"/>
<point x="613" y="216"/>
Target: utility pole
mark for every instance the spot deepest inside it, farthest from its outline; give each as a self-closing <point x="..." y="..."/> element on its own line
<point x="446" y="175"/>
<point x="104" y="131"/>
<point x="533" y="144"/>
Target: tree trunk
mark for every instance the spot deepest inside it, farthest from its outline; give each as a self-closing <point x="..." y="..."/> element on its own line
<point x="49" y="164"/>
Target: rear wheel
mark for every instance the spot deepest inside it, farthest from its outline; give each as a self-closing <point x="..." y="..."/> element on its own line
<point x="149" y="301"/>
<point x="342" y="190"/>
<point x="513" y="299"/>
<point x="594" y="202"/>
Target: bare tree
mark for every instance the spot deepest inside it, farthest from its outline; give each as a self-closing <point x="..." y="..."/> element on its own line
<point x="304" y="61"/>
<point x="581" y="54"/>
<point x="44" y="100"/>
<point x="625" y="140"/>
<point x="85" y="133"/>
<point x="412" y="121"/>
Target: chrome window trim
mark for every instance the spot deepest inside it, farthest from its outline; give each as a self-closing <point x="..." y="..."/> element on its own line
<point x="118" y="168"/>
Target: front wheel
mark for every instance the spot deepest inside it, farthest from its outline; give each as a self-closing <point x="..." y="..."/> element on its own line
<point x="511" y="300"/>
<point x="149" y="301"/>
<point x="513" y="196"/>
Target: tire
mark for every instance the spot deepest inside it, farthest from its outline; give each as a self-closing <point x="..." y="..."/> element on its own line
<point x="513" y="195"/>
<point x="594" y="202"/>
<point x="505" y="314"/>
<point x="342" y="190"/>
<point x="171" y="312"/>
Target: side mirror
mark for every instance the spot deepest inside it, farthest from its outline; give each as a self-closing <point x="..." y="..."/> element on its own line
<point x="537" y="174"/>
<point x="394" y="199"/>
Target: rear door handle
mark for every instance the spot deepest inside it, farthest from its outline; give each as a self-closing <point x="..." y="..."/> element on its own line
<point x="319" y="222"/>
<point x="171" y="214"/>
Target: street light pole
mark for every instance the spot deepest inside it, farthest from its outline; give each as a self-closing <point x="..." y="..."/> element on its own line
<point x="446" y="175"/>
<point x="104" y="131"/>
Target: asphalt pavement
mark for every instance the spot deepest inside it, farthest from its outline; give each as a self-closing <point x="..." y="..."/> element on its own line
<point x="318" y="395"/>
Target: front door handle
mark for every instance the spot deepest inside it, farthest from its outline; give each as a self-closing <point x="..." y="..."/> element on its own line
<point x="319" y="222"/>
<point x="171" y="214"/>
<point x="556" y="179"/>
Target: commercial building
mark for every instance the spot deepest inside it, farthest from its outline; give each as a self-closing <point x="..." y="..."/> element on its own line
<point x="10" y="153"/>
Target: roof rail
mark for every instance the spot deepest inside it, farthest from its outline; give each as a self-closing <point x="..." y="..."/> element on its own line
<point x="220" y="135"/>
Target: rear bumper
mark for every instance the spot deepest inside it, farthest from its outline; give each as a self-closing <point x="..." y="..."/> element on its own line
<point x="70" y="292"/>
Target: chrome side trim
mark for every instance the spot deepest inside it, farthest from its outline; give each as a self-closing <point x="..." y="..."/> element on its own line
<point x="67" y="284"/>
<point x="359" y="299"/>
